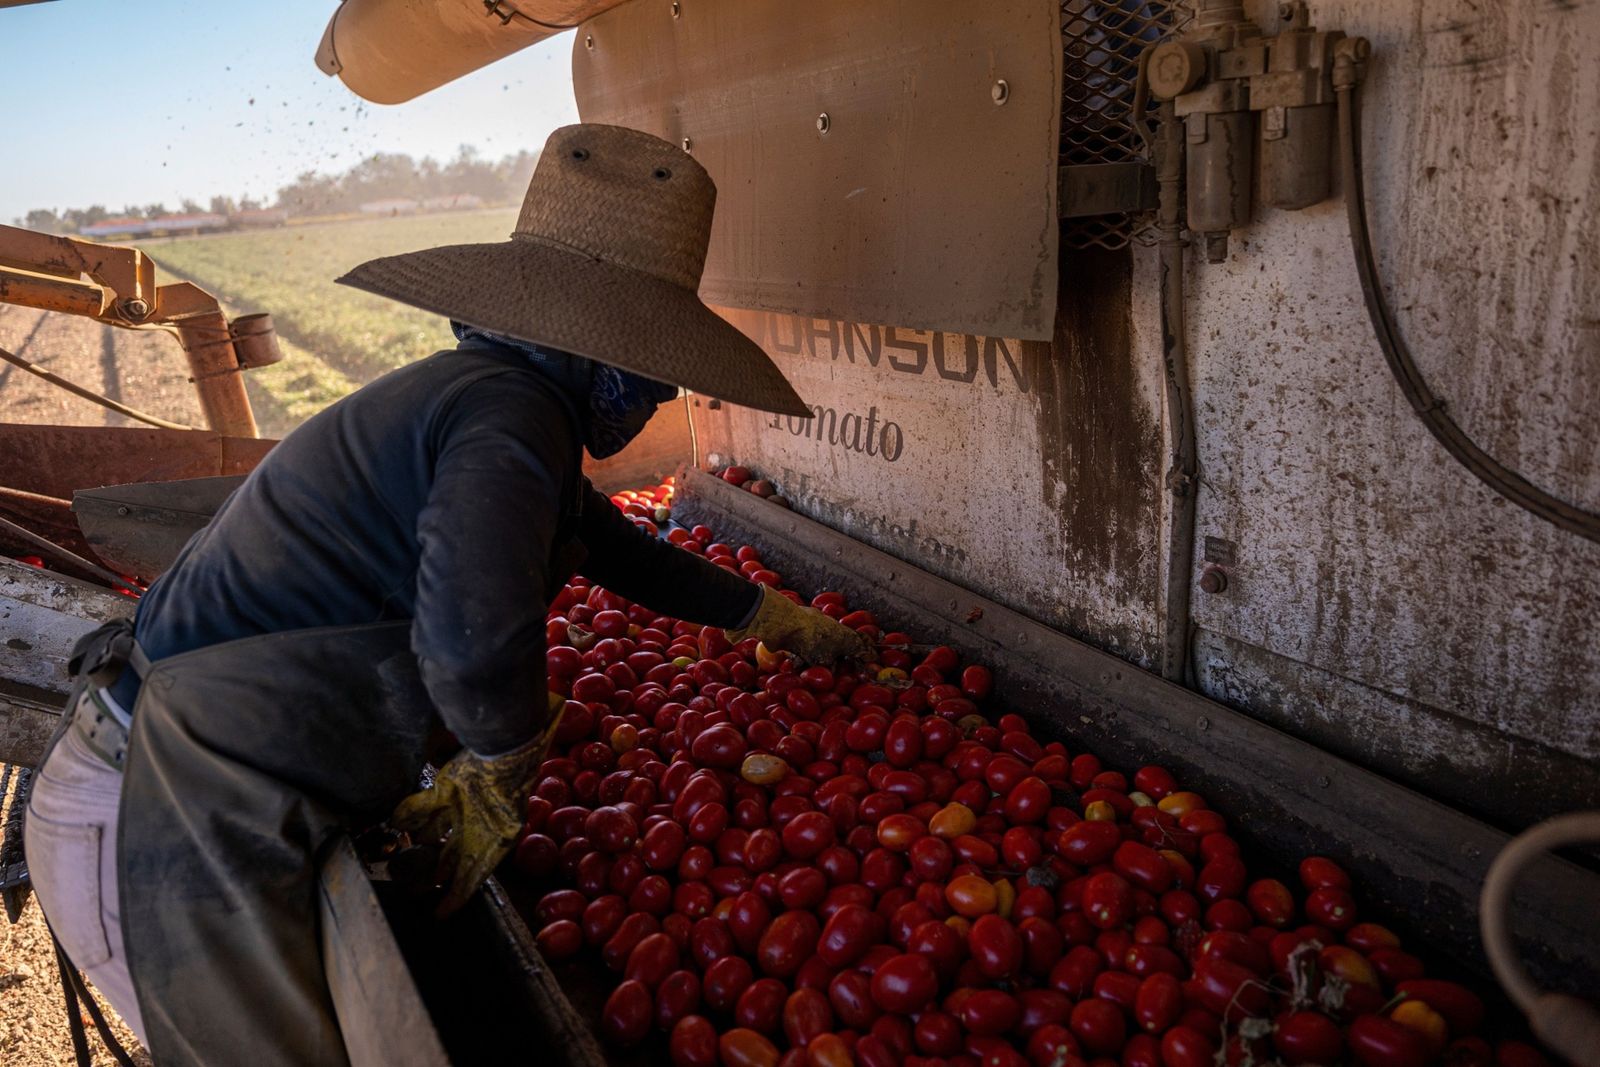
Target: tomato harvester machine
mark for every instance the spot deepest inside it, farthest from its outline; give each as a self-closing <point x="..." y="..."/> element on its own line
<point x="124" y="499"/>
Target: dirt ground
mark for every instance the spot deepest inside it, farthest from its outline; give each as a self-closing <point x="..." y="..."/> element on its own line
<point x="144" y="369"/>
<point x="147" y="371"/>
<point x="33" y="1019"/>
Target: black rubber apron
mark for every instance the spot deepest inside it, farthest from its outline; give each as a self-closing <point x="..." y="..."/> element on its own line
<point x="244" y="761"/>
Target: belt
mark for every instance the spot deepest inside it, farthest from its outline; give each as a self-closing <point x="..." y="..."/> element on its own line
<point x="96" y="719"/>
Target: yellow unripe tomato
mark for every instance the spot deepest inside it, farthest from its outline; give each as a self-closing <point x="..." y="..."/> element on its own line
<point x="1100" y="811"/>
<point x="1182" y="803"/>
<point x="1005" y="895"/>
<point x="624" y="738"/>
<point x="1417" y="1016"/>
<point x="971" y="896"/>
<point x="763" y="768"/>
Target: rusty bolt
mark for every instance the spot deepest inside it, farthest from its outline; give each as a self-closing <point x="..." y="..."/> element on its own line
<point x="676" y="10"/>
<point x="1214" y="580"/>
<point x="1000" y="92"/>
<point x="687" y="144"/>
<point x="823" y="122"/>
<point x="134" y="308"/>
<point x="588" y="41"/>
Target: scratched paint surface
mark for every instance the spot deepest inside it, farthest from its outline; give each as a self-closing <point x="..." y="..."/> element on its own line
<point x="1363" y="550"/>
<point x="932" y="447"/>
<point x="1382" y="602"/>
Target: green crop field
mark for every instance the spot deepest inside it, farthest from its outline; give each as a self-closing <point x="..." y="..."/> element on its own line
<point x="334" y="337"/>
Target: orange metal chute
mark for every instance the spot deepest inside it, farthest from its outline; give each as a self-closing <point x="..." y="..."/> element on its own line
<point x="389" y="51"/>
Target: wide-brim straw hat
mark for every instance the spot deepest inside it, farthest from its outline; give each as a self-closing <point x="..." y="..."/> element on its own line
<point x="604" y="262"/>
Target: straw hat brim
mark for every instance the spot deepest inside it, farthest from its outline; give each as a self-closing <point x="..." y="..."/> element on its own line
<point x="562" y="298"/>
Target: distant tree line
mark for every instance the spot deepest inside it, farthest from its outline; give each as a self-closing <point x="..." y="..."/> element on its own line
<point x="378" y="177"/>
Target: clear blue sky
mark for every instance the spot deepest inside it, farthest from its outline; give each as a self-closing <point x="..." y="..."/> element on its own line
<point x="137" y="101"/>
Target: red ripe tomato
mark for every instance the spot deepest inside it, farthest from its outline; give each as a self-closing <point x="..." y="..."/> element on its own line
<point x="904" y="984"/>
<point x="1184" y="1046"/>
<point x="806" y="1016"/>
<point x="1089" y="842"/>
<point x="560" y="939"/>
<point x="849" y="932"/>
<point x="1158" y="1003"/>
<point x="976" y="682"/>
<point x="1271" y="902"/>
<point x="1307" y="1037"/>
<point x="719" y="746"/>
<point x="937" y="1034"/>
<point x="990" y="1012"/>
<point x="1228" y="989"/>
<point x="725" y="980"/>
<point x="652" y="959"/>
<point x="677" y="996"/>
<point x="1143" y="866"/>
<point x="940" y="944"/>
<point x="1043" y="1007"/>
<point x="1042" y="944"/>
<point x="760" y="1006"/>
<point x="1332" y="907"/>
<point x="787" y="942"/>
<point x="1054" y="1046"/>
<point x="633" y="929"/>
<point x="996" y="946"/>
<point x="743" y="1047"/>
<point x="931" y="859"/>
<point x="903" y="743"/>
<point x="898" y="832"/>
<point x="1155" y="782"/>
<point x="1379" y="1042"/>
<point x="1319" y="872"/>
<point x="803" y="888"/>
<point x="1028" y="801"/>
<point x="626" y="1017"/>
<point x="1099" y="1026"/>
<point x="693" y="1042"/>
<point x="807" y="834"/>
<point x="850" y="993"/>
<point x="1223" y="877"/>
<point x="1107" y="900"/>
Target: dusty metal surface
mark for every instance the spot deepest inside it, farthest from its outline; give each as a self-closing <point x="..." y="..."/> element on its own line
<point x="826" y="132"/>
<point x="42" y="615"/>
<point x="1443" y="633"/>
<point x="1416" y="860"/>
<point x="140" y="528"/>
<point x="1023" y="470"/>
<point x="379" y="1010"/>
<point x="56" y="460"/>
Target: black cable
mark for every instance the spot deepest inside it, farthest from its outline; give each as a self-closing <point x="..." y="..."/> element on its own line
<point x="1428" y="407"/>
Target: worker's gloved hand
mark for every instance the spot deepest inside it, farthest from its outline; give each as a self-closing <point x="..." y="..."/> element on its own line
<point x="475" y="809"/>
<point x="782" y="624"/>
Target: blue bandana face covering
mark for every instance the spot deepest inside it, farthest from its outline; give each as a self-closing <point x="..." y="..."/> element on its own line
<point x="613" y="404"/>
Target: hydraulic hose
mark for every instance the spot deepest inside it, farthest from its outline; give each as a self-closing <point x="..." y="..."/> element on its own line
<point x="1567" y="1024"/>
<point x="1429" y="407"/>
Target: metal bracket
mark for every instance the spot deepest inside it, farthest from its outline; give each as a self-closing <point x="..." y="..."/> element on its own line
<point x="1105" y="189"/>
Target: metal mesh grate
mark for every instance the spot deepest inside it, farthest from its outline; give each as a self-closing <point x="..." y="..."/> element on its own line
<point x="1102" y="40"/>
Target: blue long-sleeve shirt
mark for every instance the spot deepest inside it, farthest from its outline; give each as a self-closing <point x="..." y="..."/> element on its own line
<point x="449" y="492"/>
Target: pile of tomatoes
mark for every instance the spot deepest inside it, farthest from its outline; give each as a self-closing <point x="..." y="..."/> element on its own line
<point x="795" y="865"/>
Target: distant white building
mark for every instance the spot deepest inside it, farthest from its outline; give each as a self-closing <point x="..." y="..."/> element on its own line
<point x="452" y="202"/>
<point x="394" y="205"/>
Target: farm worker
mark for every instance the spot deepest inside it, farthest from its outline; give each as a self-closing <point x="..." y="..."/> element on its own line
<point x="385" y="569"/>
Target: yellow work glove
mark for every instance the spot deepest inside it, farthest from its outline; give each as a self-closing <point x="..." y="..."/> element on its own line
<point x="476" y="809"/>
<point x="782" y="624"/>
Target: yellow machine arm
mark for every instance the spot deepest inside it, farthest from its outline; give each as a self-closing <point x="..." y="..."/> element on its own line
<point x="117" y="285"/>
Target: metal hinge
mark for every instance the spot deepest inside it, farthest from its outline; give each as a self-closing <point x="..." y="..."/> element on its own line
<point x="1105" y="189"/>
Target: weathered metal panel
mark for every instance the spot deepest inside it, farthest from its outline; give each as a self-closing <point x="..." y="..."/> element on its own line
<point x="41" y="616"/>
<point x="891" y="162"/>
<point x="55" y="460"/>
<point x="1022" y="470"/>
<point x="1418" y="861"/>
<point x="380" y="1013"/>
<point x="1442" y="632"/>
